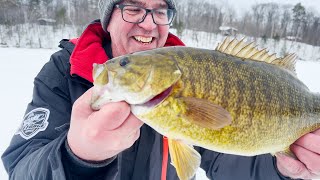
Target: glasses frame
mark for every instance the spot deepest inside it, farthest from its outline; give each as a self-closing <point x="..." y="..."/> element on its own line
<point x="122" y="6"/>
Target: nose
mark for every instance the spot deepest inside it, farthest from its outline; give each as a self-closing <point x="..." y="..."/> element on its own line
<point x="148" y="23"/>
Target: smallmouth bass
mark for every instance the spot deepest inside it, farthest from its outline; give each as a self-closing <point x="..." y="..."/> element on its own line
<point x="235" y="99"/>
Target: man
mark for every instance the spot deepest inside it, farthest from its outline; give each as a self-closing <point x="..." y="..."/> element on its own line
<point x="63" y="138"/>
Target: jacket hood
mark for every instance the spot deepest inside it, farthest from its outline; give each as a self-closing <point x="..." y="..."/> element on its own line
<point x="89" y="50"/>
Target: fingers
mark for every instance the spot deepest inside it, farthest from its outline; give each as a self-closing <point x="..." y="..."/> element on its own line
<point x="310" y="141"/>
<point x="122" y="138"/>
<point x="114" y="123"/>
<point x="99" y="135"/>
<point x="307" y="151"/>
<point x="290" y="167"/>
<point x="130" y="126"/>
<point x="110" y="116"/>
<point x="115" y="117"/>
<point x="124" y="143"/>
<point x="127" y="133"/>
<point x="130" y="140"/>
<point x="317" y="132"/>
<point x="307" y="157"/>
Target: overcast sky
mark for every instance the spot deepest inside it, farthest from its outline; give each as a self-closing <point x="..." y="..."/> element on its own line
<point x="246" y="4"/>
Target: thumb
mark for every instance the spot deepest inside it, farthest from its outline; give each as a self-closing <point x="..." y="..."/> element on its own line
<point x="110" y="116"/>
<point x="82" y="106"/>
<point x="290" y="167"/>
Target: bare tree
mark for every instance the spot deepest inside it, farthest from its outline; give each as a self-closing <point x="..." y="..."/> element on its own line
<point x="285" y="21"/>
<point x="299" y="18"/>
<point x="272" y="13"/>
<point x="259" y="16"/>
<point x="268" y="20"/>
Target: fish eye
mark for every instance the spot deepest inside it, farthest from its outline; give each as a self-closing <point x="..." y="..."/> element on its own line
<point x="124" y="61"/>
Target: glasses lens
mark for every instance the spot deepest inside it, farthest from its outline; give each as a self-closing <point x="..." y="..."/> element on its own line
<point x="163" y="16"/>
<point x="133" y="14"/>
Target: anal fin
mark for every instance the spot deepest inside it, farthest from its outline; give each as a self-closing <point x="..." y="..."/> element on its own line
<point x="184" y="158"/>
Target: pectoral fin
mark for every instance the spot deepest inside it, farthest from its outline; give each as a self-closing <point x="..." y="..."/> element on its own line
<point x="184" y="158"/>
<point x="206" y="114"/>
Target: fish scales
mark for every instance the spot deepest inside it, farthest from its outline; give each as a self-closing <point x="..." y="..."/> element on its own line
<point x="269" y="106"/>
<point x="211" y="99"/>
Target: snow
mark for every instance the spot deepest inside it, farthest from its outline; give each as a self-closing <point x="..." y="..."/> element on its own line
<point x="282" y="47"/>
<point x="35" y="35"/>
<point x="225" y="28"/>
<point x="20" y="66"/>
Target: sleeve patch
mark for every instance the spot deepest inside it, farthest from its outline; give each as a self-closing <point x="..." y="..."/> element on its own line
<point x="34" y="122"/>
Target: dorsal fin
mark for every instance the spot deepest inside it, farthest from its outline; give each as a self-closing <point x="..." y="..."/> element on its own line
<point x="287" y="62"/>
<point x="250" y="51"/>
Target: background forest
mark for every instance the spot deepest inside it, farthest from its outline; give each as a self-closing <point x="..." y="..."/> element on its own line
<point x="18" y="18"/>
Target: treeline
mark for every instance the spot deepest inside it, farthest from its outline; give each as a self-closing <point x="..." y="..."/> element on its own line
<point x="64" y="12"/>
<point x="266" y="20"/>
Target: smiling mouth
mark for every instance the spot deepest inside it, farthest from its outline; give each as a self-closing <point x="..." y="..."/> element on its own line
<point x="144" y="40"/>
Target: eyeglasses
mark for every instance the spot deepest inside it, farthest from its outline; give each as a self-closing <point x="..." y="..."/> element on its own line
<point x="136" y="14"/>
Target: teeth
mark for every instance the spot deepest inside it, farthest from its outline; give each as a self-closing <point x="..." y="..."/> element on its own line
<point x="143" y="39"/>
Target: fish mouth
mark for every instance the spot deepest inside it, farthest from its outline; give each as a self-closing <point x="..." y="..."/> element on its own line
<point x="156" y="100"/>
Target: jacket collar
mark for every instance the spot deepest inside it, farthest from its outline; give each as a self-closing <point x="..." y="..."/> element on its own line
<point x="89" y="50"/>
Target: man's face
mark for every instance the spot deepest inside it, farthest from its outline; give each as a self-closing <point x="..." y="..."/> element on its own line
<point x="128" y="37"/>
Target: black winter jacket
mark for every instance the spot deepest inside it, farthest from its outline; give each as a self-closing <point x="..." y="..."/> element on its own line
<point x="38" y="151"/>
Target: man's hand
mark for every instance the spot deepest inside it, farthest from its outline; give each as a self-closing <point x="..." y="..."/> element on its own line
<point x="307" y="150"/>
<point x="99" y="135"/>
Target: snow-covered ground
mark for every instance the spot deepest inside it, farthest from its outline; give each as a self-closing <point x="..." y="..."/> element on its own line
<point x="20" y="66"/>
<point x="45" y="36"/>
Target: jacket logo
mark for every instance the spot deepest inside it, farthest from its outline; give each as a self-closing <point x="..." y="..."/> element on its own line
<point x="34" y="122"/>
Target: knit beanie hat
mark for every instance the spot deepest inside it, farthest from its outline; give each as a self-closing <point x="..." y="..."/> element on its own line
<point x="106" y="8"/>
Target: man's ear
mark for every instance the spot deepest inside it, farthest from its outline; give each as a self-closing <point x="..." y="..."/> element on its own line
<point x="109" y="22"/>
<point x="108" y="27"/>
